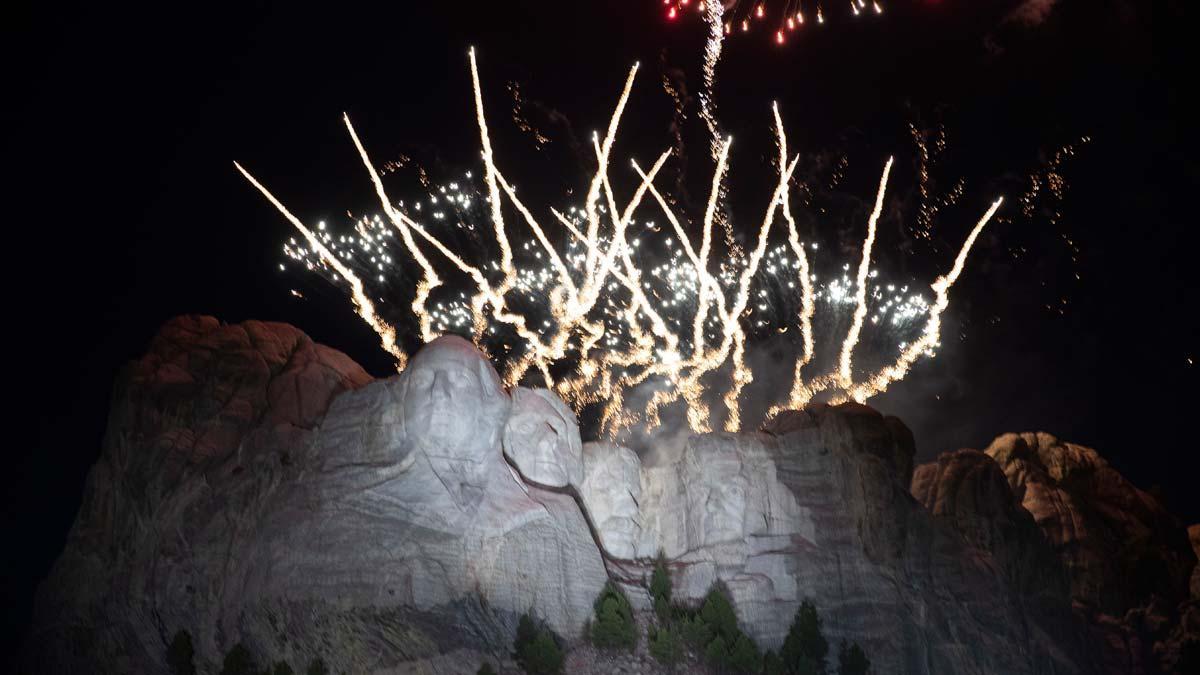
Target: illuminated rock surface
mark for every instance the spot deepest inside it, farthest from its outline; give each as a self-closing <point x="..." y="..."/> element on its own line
<point x="230" y="502"/>
<point x="542" y="440"/>
<point x="257" y="487"/>
<point x="612" y="492"/>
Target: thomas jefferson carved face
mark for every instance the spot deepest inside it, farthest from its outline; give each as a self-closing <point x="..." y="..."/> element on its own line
<point x="542" y="438"/>
<point x="611" y="490"/>
<point x="716" y="493"/>
<point x="454" y="408"/>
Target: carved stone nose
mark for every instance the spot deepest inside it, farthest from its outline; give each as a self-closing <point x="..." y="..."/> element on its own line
<point x="440" y="388"/>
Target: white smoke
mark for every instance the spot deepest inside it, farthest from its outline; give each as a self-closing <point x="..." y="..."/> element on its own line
<point x="1032" y="13"/>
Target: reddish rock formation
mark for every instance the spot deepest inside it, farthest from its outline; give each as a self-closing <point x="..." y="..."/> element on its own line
<point x="1120" y="546"/>
<point x="967" y="490"/>
<point x="1194" y="535"/>
<point x="1057" y="518"/>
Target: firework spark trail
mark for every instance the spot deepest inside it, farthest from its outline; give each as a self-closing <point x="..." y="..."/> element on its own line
<point x="878" y="382"/>
<point x="714" y="13"/>
<point x="706" y="247"/>
<point x="782" y="17"/>
<point x="431" y="280"/>
<point x="644" y="337"/>
<point x="363" y="305"/>
<point x="593" y="194"/>
<point x="807" y="304"/>
<point x="864" y="267"/>
<point x="704" y="362"/>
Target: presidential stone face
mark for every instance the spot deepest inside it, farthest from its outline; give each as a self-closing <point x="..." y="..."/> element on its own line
<point x="611" y="491"/>
<point x="453" y="409"/>
<point x="542" y="440"/>
<point x="716" y="492"/>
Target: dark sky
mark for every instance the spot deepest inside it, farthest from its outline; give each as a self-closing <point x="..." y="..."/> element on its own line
<point x="123" y="208"/>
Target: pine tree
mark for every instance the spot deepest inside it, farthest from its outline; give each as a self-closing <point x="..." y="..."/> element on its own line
<point x="535" y="648"/>
<point x="181" y="655"/>
<point x="805" y="648"/>
<point x="772" y="664"/>
<point x="660" y="588"/>
<point x="694" y="631"/>
<point x="718" y="613"/>
<point x="614" y="627"/>
<point x="852" y="660"/>
<point x="717" y="653"/>
<point x="239" y="661"/>
<point x="744" y="656"/>
<point x="665" y="646"/>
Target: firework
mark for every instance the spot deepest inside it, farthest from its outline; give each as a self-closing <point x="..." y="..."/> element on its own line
<point x="776" y="18"/>
<point x="604" y="305"/>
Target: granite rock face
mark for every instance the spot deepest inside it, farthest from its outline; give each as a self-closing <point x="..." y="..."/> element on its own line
<point x="813" y="508"/>
<point x="967" y="490"/>
<point x="256" y="487"/>
<point x="542" y="439"/>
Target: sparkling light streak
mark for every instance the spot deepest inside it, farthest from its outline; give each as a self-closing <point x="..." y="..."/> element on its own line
<point x="607" y="305"/>
<point x="776" y="18"/>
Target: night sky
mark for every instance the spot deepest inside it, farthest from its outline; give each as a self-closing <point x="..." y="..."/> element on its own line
<point x="124" y="209"/>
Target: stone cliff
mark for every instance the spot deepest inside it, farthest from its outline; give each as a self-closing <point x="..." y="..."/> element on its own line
<point x="1063" y="523"/>
<point x="256" y="487"/>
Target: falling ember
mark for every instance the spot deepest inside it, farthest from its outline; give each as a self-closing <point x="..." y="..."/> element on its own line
<point x="623" y="302"/>
<point x="778" y="15"/>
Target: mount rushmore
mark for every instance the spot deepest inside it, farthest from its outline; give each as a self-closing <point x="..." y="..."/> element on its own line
<point x="256" y="487"/>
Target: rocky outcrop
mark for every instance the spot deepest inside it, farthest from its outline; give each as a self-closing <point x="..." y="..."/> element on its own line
<point x="1194" y="536"/>
<point x="967" y="490"/>
<point x="1120" y="546"/>
<point x="255" y="487"/>
<point x="1061" y="522"/>
<point x="813" y="509"/>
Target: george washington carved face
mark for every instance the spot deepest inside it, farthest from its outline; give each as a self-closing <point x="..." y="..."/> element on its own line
<point x="454" y="408"/>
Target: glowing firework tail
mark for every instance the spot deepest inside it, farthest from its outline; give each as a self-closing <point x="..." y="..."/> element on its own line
<point x="600" y="311"/>
<point x="362" y="303"/>
<point x="776" y="18"/>
<point x="860" y="287"/>
<point x="879" y="381"/>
